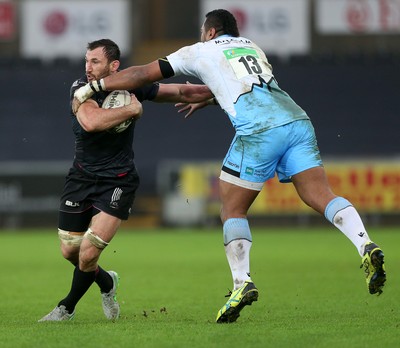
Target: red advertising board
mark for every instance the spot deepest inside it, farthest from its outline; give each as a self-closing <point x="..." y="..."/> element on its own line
<point x="7" y="20"/>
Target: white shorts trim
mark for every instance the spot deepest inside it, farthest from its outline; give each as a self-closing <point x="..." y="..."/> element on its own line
<point x="256" y="186"/>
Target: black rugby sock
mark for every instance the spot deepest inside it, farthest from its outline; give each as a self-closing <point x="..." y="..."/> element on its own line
<point x="103" y="280"/>
<point x="81" y="282"/>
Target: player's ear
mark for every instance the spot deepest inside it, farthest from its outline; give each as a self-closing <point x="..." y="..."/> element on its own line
<point x="211" y="33"/>
<point x="114" y="65"/>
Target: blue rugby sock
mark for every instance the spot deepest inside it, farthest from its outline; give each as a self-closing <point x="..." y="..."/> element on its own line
<point x="236" y="228"/>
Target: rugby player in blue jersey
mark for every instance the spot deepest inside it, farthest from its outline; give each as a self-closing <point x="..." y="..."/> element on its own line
<point x="274" y="135"/>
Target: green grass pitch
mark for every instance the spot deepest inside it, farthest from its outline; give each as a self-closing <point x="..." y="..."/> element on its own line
<point x="173" y="282"/>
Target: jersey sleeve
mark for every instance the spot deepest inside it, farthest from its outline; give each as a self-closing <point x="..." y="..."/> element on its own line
<point x="183" y="61"/>
<point x="76" y="85"/>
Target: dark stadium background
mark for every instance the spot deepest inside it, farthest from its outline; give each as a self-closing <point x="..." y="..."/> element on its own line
<point x="354" y="106"/>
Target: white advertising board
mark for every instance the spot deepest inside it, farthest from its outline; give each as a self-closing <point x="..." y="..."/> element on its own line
<point x="280" y="27"/>
<point x="61" y="29"/>
<point x="358" y="16"/>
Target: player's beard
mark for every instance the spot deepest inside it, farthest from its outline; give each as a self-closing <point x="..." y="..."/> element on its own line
<point x="93" y="77"/>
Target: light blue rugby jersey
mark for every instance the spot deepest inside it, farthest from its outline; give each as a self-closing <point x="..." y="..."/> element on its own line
<point x="237" y="72"/>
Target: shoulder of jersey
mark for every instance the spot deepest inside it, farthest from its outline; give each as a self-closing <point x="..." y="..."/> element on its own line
<point x="79" y="82"/>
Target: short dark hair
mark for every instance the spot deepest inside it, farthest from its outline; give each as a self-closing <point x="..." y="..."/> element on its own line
<point x="110" y="48"/>
<point x="222" y="20"/>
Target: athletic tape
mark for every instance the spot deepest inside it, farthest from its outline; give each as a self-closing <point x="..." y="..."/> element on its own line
<point x="102" y="85"/>
<point x="68" y="238"/>
<point x="95" y="240"/>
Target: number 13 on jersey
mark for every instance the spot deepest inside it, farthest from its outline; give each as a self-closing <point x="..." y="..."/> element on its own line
<point x="245" y="61"/>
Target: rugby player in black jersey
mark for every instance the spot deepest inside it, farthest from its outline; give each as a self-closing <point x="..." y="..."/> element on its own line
<point x="101" y="184"/>
<point x="273" y="137"/>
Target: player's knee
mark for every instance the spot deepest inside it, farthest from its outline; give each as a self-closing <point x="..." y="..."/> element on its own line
<point x="88" y="259"/>
<point x="70" y="245"/>
<point x="90" y="250"/>
<point x="70" y="255"/>
<point x="227" y="214"/>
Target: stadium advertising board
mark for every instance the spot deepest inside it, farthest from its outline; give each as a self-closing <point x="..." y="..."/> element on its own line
<point x="355" y="16"/>
<point x="279" y="27"/>
<point x="373" y="187"/>
<point x="7" y="20"/>
<point x="61" y="29"/>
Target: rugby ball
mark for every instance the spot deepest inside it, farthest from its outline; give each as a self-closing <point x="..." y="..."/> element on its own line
<point x="117" y="99"/>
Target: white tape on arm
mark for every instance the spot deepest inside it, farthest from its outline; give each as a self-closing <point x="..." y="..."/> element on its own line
<point x="102" y="85"/>
<point x="84" y="93"/>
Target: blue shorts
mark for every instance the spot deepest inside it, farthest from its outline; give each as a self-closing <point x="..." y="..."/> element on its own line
<point x="286" y="150"/>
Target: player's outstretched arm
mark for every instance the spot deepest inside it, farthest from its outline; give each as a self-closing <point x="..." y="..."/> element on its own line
<point x="190" y="108"/>
<point x="127" y="79"/>
<point x="133" y="77"/>
<point x="182" y="93"/>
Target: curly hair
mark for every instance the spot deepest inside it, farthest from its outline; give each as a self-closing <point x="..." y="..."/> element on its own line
<point x="222" y="20"/>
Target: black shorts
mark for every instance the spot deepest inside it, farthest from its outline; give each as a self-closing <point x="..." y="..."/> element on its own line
<point x="85" y="195"/>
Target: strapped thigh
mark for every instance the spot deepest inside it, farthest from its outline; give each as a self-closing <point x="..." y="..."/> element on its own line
<point x="95" y="239"/>
<point x="70" y="238"/>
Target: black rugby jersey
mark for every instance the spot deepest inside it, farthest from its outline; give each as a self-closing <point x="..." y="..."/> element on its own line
<point x="106" y="153"/>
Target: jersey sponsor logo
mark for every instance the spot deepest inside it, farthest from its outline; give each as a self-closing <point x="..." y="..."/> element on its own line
<point x="239" y="52"/>
<point x="230" y="40"/>
<point x="255" y="172"/>
<point x="78" y="83"/>
<point x="233" y="164"/>
<point x="249" y="170"/>
<point x="116" y="196"/>
<point x="71" y="204"/>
